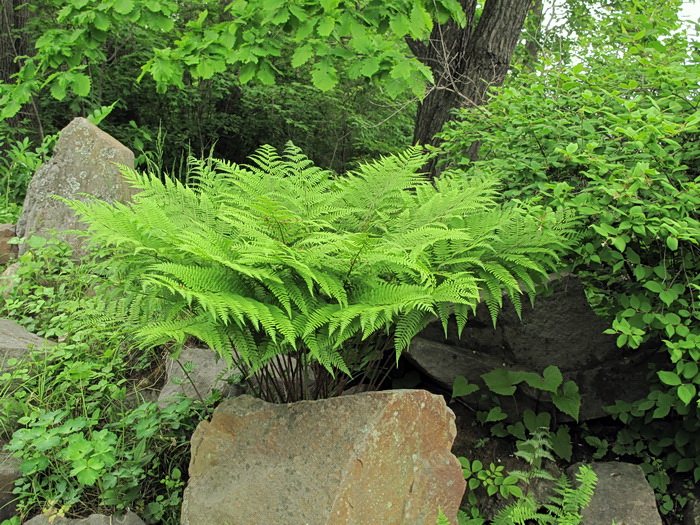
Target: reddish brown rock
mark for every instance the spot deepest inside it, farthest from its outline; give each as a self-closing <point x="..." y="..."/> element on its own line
<point x="377" y="457"/>
<point x="85" y="161"/>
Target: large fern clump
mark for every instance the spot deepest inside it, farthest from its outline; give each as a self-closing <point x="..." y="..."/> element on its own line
<point x="281" y="259"/>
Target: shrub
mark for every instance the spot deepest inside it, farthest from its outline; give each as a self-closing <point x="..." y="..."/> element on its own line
<point x="616" y="139"/>
<point x="280" y="259"/>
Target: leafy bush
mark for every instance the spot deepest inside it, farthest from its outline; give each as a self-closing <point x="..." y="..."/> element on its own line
<point x="18" y="162"/>
<point x="281" y="259"/>
<point x="42" y="292"/>
<point x="615" y="139"/>
<point x="564" y="505"/>
<point x="84" y="445"/>
<point x="72" y="412"/>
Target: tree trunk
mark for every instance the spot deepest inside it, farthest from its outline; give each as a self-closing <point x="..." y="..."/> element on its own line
<point x="466" y="61"/>
<point x="14" y="43"/>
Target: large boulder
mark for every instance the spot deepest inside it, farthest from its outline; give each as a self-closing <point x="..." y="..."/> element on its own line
<point x="94" y="519"/>
<point x="622" y="496"/>
<point x="377" y="457"/>
<point x="561" y="330"/>
<point x="84" y="162"/>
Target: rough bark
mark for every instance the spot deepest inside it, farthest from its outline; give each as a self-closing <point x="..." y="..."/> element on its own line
<point x="467" y="61"/>
<point x="14" y="43"/>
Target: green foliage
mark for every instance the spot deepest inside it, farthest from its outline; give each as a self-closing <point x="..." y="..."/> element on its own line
<point x="283" y="258"/>
<point x="212" y="38"/>
<point x="43" y="287"/>
<point x="501" y="381"/>
<point x="564" y="506"/>
<point x="564" y="509"/>
<point x="18" y="162"/>
<point x="85" y="441"/>
<point x="614" y="138"/>
<point x="10" y="213"/>
<point x="492" y="478"/>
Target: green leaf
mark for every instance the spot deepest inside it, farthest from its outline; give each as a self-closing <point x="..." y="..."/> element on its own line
<point x="561" y="443"/>
<point x="662" y="410"/>
<point x="619" y="243"/>
<point x="686" y="393"/>
<point x="690" y="370"/>
<point x="302" y="55"/>
<point x="500" y="381"/>
<point x="495" y="414"/>
<point x="247" y="72"/>
<point x="58" y="89"/>
<point x="672" y="243"/>
<point x="685" y="465"/>
<point x="669" y="378"/>
<point x="123" y="7"/>
<point x="266" y="75"/>
<point x="329" y="5"/>
<point x="421" y="24"/>
<point x="550" y="381"/>
<point x="654" y="286"/>
<point x="569" y="400"/>
<point x="324" y="76"/>
<point x="369" y="66"/>
<point x="325" y="26"/>
<point x="668" y="296"/>
<point x="462" y="387"/>
<point x="164" y="23"/>
<point x="102" y="22"/>
<point x="399" y="24"/>
<point x="85" y="475"/>
<point x="46" y="442"/>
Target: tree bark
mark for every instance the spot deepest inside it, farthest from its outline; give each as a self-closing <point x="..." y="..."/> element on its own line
<point x="467" y="61"/>
<point x="14" y="43"/>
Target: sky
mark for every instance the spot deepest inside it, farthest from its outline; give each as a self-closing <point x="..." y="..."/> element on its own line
<point x="691" y="10"/>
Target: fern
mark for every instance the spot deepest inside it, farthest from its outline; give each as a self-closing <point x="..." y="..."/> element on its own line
<point x="281" y="257"/>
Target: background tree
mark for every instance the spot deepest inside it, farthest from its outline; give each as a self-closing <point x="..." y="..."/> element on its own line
<point x="400" y="46"/>
<point x="466" y="61"/>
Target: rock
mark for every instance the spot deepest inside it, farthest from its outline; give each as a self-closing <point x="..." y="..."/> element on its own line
<point x="376" y="457"/>
<point x="83" y="162"/>
<point x="94" y="519"/>
<point x="691" y="513"/>
<point x="622" y="495"/>
<point x="9" y="473"/>
<point x="9" y="279"/>
<point x="7" y="251"/>
<point x="561" y="330"/>
<point x="208" y="373"/>
<point x="16" y="342"/>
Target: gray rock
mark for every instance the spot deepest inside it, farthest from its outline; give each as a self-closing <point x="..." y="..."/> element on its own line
<point x="622" y="495"/>
<point x="16" y="342"/>
<point x="9" y="279"/>
<point x="561" y="330"/>
<point x="9" y="473"/>
<point x="7" y="251"/>
<point x="376" y="457"/>
<point x="94" y="519"/>
<point x="84" y="161"/>
<point x="208" y="373"/>
<point x="691" y="513"/>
